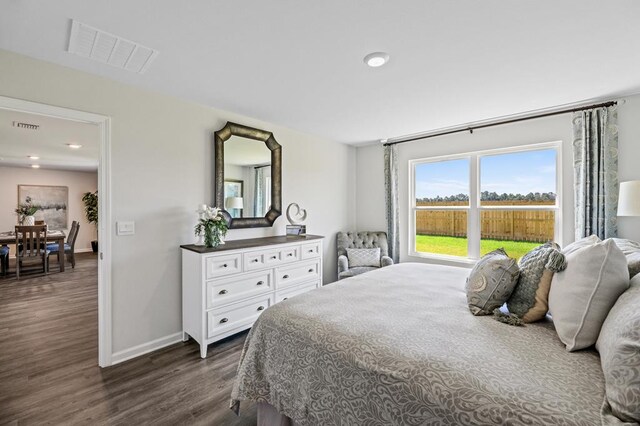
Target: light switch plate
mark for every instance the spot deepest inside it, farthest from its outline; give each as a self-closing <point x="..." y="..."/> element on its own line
<point x="125" y="228"/>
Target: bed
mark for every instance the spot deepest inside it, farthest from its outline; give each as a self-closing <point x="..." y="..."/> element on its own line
<point x="398" y="346"/>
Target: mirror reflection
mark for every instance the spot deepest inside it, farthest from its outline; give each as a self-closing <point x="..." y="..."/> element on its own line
<point x="247" y="177"/>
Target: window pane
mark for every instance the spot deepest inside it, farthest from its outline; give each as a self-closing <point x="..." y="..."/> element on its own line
<point x="517" y="231"/>
<point x="442" y="183"/>
<point x="521" y="178"/>
<point x="441" y="232"/>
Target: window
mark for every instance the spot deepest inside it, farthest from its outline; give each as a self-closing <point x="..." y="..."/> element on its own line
<point x="468" y="205"/>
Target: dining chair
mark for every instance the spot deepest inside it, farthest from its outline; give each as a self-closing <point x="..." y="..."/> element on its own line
<point x="4" y="260"/>
<point x="31" y="247"/>
<point x="69" y="246"/>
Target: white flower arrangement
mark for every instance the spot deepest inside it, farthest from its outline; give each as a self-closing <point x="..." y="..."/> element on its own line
<point x="212" y="224"/>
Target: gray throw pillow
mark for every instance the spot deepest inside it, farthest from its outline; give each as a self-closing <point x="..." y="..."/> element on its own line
<point x="491" y="282"/>
<point x="363" y="257"/>
<point x="631" y="250"/>
<point x="584" y="242"/>
<point x="583" y="294"/>
<point x="529" y="300"/>
<point x="619" y="347"/>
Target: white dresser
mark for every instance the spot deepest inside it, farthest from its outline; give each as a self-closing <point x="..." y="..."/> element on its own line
<point x="225" y="289"/>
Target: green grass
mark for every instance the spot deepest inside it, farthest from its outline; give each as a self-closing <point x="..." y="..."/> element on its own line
<point x="457" y="246"/>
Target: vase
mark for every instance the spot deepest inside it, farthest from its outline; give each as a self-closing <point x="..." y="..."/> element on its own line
<point x="212" y="237"/>
<point x="29" y="221"/>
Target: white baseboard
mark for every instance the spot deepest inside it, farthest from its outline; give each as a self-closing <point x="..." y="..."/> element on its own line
<point x="145" y="348"/>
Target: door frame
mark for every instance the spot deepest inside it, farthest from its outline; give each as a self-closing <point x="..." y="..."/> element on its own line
<point x="104" y="208"/>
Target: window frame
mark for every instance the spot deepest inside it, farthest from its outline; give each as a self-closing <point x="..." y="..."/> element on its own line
<point x="474" y="209"/>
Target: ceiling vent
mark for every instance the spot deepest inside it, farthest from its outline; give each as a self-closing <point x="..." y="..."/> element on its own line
<point x="102" y="46"/>
<point x="28" y="126"/>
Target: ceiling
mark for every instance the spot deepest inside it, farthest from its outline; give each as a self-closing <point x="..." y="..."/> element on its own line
<point x="49" y="142"/>
<point x="299" y="63"/>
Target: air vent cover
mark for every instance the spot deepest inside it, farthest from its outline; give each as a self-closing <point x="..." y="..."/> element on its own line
<point x="28" y="126"/>
<point x="92" y="43"/>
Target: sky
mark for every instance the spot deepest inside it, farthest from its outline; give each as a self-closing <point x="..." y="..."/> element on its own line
<point x="517" y="173"/>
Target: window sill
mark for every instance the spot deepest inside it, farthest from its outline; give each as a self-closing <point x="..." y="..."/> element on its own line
<point x="444" y="259"/>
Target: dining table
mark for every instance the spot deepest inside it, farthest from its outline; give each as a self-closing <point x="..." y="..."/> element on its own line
<point x="53" y="236"/>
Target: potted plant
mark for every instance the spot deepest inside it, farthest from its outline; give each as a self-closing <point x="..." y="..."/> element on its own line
<point x="25" y="212"/>
<point x="213" y="225"/>
<point x="90" y="200"/>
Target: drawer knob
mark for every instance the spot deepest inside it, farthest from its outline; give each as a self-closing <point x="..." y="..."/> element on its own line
<point x="223" y="320"/>
<point x="224" y="266"/>
<point x="284" y="299"/>
<point x="274" y="257"/>
<point x="311" y="251"/>
<point x="290" y="254"/>
<point x="254" y="260"/>
<point x="310" y="270"/>
<point x="261" y="308"/>
<point x="260" y="283"/>
<point x="222" y="292"/>
<point x="284" y="277"/>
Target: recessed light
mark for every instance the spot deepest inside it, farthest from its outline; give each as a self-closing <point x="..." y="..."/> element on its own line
<point x="376" y="59"/>
<point x="33" y="157"/>
<point x="35" y="166"/>
<point x="74" y="145"/>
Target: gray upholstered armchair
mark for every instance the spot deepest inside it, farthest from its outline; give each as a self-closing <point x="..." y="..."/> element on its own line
<point x="361" y="240"/>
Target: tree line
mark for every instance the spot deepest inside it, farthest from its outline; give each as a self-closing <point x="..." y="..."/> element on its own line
<point x="493" y="196"/>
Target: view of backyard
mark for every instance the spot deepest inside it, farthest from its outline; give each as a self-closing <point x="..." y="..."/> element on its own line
<point x="457" y="246"/>
<point x="515" y="208"/>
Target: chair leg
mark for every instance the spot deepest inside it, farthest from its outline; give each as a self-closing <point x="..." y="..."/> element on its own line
<point x="73" y="260"/>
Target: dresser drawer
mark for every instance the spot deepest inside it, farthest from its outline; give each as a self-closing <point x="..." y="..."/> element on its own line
<point x="310" y="250"/>
<point x="227" y="290"/>
<point x="290" y="254"/>
<point x="288" y="293"/>
<point x="217" y="266"/>
<point x="297" y="273"/>
<point x="220" y="320"/>
<point x="262" y="259"/>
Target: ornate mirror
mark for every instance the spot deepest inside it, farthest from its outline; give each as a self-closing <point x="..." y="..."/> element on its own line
<point x="248" y="176"/>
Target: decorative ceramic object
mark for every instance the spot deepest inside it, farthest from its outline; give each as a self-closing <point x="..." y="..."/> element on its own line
<point x="29" y="221"/>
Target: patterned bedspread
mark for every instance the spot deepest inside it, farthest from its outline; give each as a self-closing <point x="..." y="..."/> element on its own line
<point x="398" y="346"/>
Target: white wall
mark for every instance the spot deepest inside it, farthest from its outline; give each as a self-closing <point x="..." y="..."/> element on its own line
<point x="370" y="212"/>
<point x="78" y="183"/>
<point x="162" y="169"/>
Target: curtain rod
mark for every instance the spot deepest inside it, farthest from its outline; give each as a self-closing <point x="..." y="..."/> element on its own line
<point x="470" y="129"/>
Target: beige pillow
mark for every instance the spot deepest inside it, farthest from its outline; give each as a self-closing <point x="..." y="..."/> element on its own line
<point x="582" y="295"/>
<point x="584" y="242"/>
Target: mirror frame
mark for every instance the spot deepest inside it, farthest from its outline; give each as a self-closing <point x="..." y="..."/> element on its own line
<point x="223" y="135"/>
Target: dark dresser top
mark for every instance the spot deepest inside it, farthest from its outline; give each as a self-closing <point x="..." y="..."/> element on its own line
<point x="251" y="242"/>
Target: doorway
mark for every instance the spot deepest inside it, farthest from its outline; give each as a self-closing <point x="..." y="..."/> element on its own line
<point x="103" y="124"/>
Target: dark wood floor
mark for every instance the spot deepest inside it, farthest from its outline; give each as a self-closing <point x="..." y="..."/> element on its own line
<point x="49" y="372"/>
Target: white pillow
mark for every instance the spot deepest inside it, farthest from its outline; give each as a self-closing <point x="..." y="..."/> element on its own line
<point x="363" y="257"/>
<point x="582" y="295"/>
<point x="584" y="242"/>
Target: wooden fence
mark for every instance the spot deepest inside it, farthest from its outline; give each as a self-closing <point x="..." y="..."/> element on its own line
<point x="513" y="225"/>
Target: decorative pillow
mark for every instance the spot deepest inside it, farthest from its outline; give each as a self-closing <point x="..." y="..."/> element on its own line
<point x="584" y="242"/>
<point x="619" y="347"/>
<point x="363" y="257"/>
<point x="631" y="250"/>
<point x="529" y="300"/>
<point x="491" y="282"/>
<point x="583" y="294"/>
